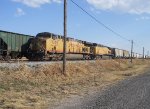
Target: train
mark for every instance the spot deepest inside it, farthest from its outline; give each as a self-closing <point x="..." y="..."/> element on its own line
<point x="49" y="46"/>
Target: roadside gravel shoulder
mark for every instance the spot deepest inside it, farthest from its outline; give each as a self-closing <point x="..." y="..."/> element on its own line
<point x="123" y="94"/>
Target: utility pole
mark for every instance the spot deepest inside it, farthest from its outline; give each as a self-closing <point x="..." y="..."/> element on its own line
<point x="65" y="35"/>
<point x="143" y="54"/>
<point x="131" y="50"/>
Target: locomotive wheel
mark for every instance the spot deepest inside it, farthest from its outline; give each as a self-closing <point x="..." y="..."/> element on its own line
<point x="1" y="58"/>
<point x="37" y="58"/>
<point x="41" y="58"/>
<point x="7" y="58"/>
<point x="51" y="58"/>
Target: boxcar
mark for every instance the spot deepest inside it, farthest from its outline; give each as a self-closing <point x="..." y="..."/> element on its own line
<point x="13" y="45"/>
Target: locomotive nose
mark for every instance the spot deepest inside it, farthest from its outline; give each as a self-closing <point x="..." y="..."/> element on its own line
<point x="37" y="45"/>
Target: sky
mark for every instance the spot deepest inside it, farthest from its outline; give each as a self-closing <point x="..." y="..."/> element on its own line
<point x="129" y="18"/>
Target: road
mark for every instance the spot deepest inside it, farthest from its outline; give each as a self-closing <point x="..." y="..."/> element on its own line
<point x="133" y="93"/>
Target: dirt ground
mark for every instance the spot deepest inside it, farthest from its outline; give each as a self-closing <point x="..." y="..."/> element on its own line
<point x="41" y="86"/>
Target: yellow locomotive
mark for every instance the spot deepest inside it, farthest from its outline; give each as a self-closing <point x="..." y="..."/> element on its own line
<point x="98" y="51"/>
<point x="50" y="46"/>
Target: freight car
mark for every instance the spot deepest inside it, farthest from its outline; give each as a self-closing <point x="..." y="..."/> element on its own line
<point x="50" y="46"/>
<point x="118" y="53"/>
<point x="13" y="45"/>
<point x="126" y="54"/>
<point x="137" y="55"/>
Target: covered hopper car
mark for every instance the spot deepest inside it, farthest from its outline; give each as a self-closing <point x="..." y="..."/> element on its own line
<point x="126" y="54"/>
<point x="13" y="45"/>
<point x="118" y="53"/>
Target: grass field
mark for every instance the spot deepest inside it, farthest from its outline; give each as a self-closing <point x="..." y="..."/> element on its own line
<point x="40" y="86"/>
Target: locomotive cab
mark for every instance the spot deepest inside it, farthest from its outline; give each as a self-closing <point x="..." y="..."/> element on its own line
<point x="36" y="50"/>
<point x="41" y="46"/>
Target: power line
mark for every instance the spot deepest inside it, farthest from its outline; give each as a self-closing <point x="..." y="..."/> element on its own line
<point x="99" y="22"/>
<point x="94" y="18"/>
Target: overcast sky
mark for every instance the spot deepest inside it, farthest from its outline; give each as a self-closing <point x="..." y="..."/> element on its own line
<point x="130" y="18"/>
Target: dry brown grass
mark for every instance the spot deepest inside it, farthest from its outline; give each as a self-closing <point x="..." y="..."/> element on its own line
<point x="42" y="85"/>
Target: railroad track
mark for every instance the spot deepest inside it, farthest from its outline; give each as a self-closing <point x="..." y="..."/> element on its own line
<point x="35" y="63"/>
<point x="19" y="62"/>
